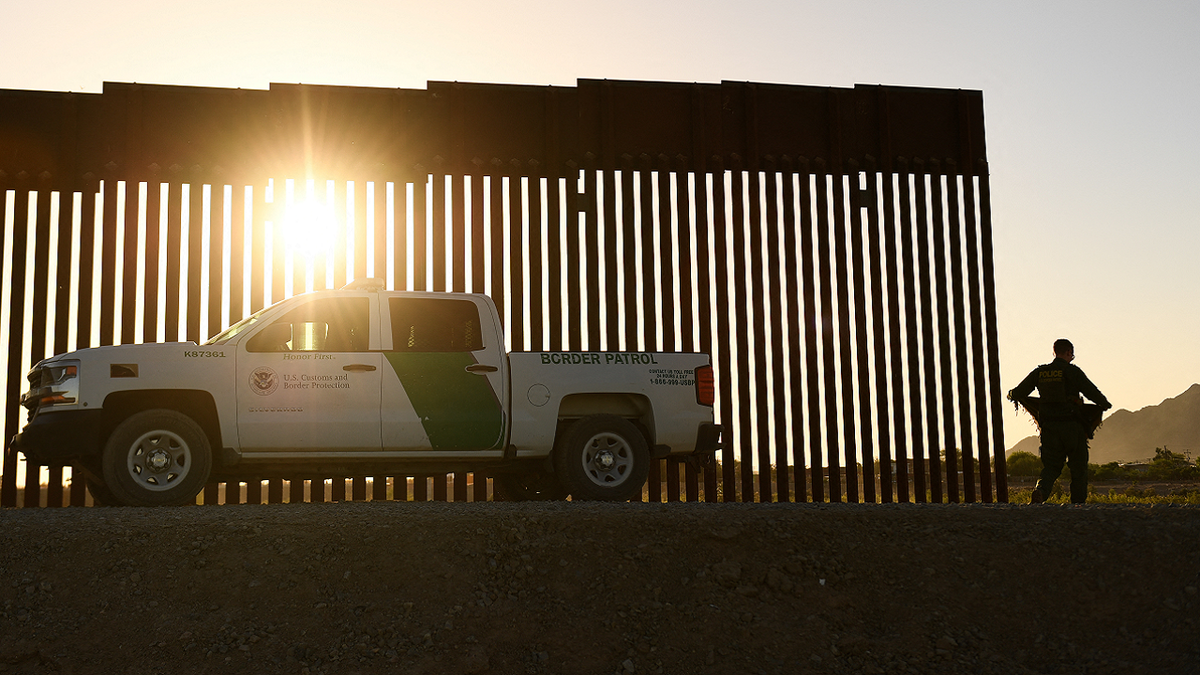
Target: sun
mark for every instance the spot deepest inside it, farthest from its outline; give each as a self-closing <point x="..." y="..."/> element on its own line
<point x="309" y="228"/>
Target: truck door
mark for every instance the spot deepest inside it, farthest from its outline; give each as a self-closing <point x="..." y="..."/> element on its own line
<point x="442" y="388"/>
<point x="309" y="380"/>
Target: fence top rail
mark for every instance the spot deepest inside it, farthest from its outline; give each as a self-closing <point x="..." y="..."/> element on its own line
<point x="139" y="132"/>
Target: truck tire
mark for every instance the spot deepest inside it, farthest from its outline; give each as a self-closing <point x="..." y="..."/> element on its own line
<point x="602" y="458"/>
<point x="528" y="487"/>
<point x="156" y="458"/>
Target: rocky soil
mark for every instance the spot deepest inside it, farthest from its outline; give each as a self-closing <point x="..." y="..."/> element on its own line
<point x="565" y="587"/>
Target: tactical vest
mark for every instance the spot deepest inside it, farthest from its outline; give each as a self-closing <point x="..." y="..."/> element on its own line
<point x="1058" y="398"/>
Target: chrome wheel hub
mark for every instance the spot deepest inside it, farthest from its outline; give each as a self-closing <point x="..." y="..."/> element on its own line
<point x="607" y="459"/>
<point x="157" y="460"/>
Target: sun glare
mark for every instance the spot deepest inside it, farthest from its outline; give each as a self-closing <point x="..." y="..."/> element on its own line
<point x="309" y="228"/>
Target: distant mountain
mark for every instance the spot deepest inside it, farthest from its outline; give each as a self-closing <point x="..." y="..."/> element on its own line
<point x="1128" y="436"/>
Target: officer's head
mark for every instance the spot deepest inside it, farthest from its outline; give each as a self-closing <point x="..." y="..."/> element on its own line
<point x="1063" y="349"/>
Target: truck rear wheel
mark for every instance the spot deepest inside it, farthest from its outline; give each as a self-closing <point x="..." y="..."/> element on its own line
<point x="603" y="458"/>
<point x="156" y="458"/>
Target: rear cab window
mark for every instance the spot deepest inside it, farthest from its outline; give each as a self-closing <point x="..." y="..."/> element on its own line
<point x="434" y="325"/>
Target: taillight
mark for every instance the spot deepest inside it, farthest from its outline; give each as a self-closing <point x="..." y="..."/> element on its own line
<point x="706" y="390"/>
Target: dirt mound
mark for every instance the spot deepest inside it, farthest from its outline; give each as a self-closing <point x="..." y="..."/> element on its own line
<point x="600" y="588"/>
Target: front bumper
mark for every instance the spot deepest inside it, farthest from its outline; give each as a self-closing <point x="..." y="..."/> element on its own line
<point x="57" y="438"/>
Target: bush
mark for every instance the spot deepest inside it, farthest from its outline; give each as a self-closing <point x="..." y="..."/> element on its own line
<point x="1172" y="465"/>
<point x="1131" y="495"/>
<point x="1166" y="465"/>
<point x="1110" y="471"/>
<point x="1023" y="463"/>
<point x="1141" y="493"/>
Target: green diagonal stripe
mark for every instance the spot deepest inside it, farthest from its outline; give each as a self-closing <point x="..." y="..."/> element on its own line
<point x="458" y="409"/>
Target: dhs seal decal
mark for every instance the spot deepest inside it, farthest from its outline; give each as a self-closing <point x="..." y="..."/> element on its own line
<point x="263" y="381"/>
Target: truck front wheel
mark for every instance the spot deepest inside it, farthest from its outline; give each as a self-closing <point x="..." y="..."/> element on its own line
<point x="156" y="458"/>
<point x="603" y="458"/>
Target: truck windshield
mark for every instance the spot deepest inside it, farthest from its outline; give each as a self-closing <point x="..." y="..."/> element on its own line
<point x="224" y="336"/>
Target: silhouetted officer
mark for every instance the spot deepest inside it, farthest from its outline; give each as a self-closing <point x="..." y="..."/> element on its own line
<point x="1064" y="431"/>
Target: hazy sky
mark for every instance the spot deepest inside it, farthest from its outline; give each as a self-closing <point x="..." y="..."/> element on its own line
<point x="1090" y="110"/>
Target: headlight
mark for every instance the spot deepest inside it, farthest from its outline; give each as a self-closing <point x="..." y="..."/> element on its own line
<point x="52" y="384"/>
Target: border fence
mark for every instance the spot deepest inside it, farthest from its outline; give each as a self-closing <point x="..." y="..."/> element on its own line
<point x="831" y="247"/>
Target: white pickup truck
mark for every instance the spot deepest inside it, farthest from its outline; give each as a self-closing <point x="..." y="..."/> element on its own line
<point x="365" y="381"/>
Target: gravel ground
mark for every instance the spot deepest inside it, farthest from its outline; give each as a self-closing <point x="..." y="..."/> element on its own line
<point x="600" y="588"/>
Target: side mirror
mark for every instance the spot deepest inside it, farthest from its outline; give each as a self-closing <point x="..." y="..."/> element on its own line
<point x="273" y="338"/>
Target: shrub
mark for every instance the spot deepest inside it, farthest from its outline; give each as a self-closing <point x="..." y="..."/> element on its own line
<point x="1023" y="463"/>
<point x="1168" y="465"/>
<point x="1110" y="471"/>
<point x="1143" y="493"/>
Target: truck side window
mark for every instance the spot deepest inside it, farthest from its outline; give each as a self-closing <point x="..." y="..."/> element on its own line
<point x="434" y="325"/>
<point x="324" y="325"/>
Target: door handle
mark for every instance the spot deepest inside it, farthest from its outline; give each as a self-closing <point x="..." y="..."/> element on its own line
<point x="480" y="368"/>
<point x="359" y="367"/>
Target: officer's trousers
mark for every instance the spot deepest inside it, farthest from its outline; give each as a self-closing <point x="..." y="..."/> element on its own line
<point x="1064" y="442"/>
